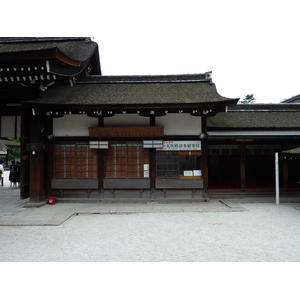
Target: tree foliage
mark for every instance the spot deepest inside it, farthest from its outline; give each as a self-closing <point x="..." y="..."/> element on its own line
<point x="14" y="152"/>
<point x="249" y="98"/>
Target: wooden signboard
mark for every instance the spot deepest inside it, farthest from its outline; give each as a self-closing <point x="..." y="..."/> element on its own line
<point x="152" y="131"/>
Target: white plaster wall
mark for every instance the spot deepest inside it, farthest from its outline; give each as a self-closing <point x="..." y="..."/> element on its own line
<point x="73" y="125"/>
<point x="8" y="126"/>
<point x="174" y="124"/>
<point x="179" y="124"/>
<point x="127" y="120"/>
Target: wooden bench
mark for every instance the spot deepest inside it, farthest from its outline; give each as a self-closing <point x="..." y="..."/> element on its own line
<point x="113" y="184"/>
<point x="88" y="184"/>
<point x="176" y="184"/>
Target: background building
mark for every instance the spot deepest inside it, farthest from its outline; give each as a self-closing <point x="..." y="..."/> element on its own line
<point x="86" y="136"/>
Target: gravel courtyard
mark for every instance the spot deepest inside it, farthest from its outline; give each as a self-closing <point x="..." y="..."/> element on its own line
<point x="265" y="232"/>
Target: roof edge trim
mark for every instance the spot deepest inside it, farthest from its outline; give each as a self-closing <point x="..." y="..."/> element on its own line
<point x="201" y="77"/>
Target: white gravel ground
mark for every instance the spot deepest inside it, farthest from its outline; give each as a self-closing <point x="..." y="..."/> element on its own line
<point x="265" y="233"/>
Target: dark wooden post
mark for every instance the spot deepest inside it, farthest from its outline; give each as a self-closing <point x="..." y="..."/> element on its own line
<point x="25" y="167"/>
<point x="37" y="179"/>
<point x="101" y="121"/>
<point x="101" y="162"/>
<point x="243" y="166"/>
<point x="204" y="153"/>
<point x="284" y="167"/>
<point x="152" y="162"/>
<point x="285" y="173"/>
<point x="49" y="154"/>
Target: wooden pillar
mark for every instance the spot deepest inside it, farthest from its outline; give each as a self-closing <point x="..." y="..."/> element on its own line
<point x="152" y="168"/>
<point x="101" y="162"/>
<point x="49" y="154"/>
<point x="152" y="120"/>
<point x="243" y="166"/>
<point x="285" y="173"/>
<point x="284" y="166"/>
<point x="101" y="121"/>
<point x="204" y="153"/>
<point x="152" y="162"/>
<point x="25" y="168"/>
<point x="101" y="170"/>
<point x="37" y="180"/>
<point x="37" y="191"/>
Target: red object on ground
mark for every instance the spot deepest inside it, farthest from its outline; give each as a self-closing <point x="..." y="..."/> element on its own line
<point x="51" y="200"/>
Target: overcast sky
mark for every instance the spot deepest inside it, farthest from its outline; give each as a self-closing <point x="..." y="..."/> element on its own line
<point x="251" y="47"/>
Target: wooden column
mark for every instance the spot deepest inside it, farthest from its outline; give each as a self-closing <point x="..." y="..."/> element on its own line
<point x="101" y="170"/>
<point x="37" y="180"/>
<point x="152" y="168"/>
<point x="49" y="154"/>
<point x="243" y="166"/>
<point x="204" y="153"/>
<point x="101" y="162"/>
<point x="25" y="168"/>
<point x="152" y="162"/>
<point x="101" y="121"/>
<point x="285" y="173"/>
<point x="284" y="166"/>
<point x="152" y="120"/>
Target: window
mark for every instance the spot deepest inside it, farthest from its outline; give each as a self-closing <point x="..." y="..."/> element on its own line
<point x="126" y="160"/>
<point x="75" y="161"/>
<point x="167" y="166"/>
<point x="173" y="163"/>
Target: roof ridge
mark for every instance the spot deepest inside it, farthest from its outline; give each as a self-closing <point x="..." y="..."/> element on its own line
<point x="12" y="40"/>
<point x="145" y="78"/>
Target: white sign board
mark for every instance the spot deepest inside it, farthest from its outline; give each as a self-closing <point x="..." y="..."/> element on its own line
<point x="181" y="146"/>
<point x="197" y="172"/>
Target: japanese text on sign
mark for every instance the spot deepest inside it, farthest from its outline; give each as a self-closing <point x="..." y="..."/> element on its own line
<point x="181" y="145"/>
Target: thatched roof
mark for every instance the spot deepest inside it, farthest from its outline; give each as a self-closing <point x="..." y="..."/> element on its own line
<point x="144" y="90"/>
<point x="78" y="49"/>
<point x="294" y="99"/>
<point x="267" y="116"/>
<point x="39" y="57"/>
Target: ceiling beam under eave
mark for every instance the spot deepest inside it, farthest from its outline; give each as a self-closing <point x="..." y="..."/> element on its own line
<point x="17" y="94"/>
<point x="50" y="54"/>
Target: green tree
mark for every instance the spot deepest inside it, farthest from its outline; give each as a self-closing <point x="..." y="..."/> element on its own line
<point x="249" y="98"/>
<point x="14" y="152"/>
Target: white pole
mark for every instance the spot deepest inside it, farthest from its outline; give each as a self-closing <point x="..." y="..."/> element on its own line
<point x="277" y="177"/>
